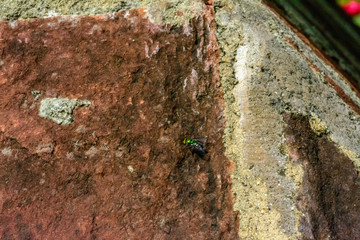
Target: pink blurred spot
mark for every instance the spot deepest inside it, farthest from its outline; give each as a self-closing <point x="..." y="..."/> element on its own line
<point x="352" y="8"/>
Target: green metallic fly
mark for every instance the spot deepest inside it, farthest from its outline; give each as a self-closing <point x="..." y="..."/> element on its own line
<point x="196" y="146"/>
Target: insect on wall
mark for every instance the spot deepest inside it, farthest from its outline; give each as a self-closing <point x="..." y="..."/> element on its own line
<point x="196" y="146"/>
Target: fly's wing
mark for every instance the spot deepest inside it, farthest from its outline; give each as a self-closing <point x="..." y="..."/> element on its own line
<point x="201" y="141"/>
<point x="199" y="148"/>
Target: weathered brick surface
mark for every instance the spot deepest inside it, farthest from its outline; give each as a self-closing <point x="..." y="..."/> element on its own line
<point x="119" y="170"/>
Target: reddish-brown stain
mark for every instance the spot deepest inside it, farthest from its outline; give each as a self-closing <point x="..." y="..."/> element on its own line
<point x="134" y="74"/>
<point x="330" y="193"/>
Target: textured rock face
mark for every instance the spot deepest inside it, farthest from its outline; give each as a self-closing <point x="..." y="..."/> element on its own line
<point x="118" y="169"/>
<point x="268" y="70"/>
<point x="94" y="110"/>
<point x="330" y="193"/>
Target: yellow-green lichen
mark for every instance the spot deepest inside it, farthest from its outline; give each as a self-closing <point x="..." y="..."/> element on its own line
<point x="353" y="156"/>
<point x="317" y="125"/>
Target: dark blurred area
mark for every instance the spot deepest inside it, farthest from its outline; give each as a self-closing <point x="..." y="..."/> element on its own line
<point x="333" y="26"/>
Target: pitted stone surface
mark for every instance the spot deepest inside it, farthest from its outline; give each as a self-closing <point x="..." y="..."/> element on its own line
<point x="120" y="170"/>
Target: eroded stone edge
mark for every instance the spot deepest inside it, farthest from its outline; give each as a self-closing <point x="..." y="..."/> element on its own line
<point x="173" y="12"/>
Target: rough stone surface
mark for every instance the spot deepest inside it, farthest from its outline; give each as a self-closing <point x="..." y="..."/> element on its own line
<point x="267" y="69"/>
<point x="330" y="193"/>
<point x="173" y="12"/>
<point x="328" y="29"/>
<point x="120" y="170"/>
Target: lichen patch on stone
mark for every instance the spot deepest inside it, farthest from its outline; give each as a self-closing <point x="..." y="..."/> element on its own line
<point x="317" y="125"/>
<point x="6" y="151"/>
<point x="60" y="110"/>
